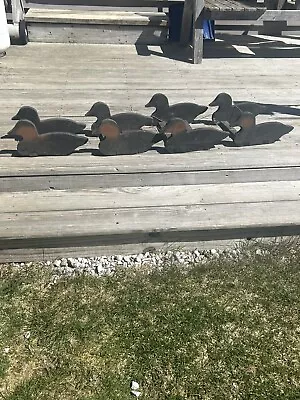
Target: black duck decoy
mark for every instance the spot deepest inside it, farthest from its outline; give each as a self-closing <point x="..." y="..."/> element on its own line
<point x="49" y="124"/>
<point x="227" y="111"/>
<point x="31" y="144"/>
<point x="231" y="112"/>
<point x="114" y="142"/>
<point x="185" y="139"/>
<point x="251" y="134"/>
<point x="125" y="120"/>
<point x="164" y="112"/>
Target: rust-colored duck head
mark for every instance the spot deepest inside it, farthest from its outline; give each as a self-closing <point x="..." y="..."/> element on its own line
<point x="99" y="110"/>
<point x="24" y="130"/>
<point x="109" y="129"/>
<point x="176" y="126"/>
<point x="27" y="113"/>
<point x="223" y="99"/>
<point x="158" y="100"/>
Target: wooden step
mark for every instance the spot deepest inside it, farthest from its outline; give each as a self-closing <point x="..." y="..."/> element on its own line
<point x="99" y="27"/>
<point x="83" y="171"/>
<point x="56" y="223"/>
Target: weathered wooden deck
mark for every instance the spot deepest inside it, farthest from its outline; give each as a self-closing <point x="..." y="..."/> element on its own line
<point x="83" y="205"/>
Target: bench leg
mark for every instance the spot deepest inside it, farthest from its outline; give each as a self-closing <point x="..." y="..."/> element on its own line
<point x="187" y="20"/>
<point x="198" y="31"/>
<point x="280" y="4"/>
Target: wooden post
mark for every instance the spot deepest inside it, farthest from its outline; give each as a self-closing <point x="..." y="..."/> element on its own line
<point x="198" y="31"/>
<point x="17" y="11"/>
<point x="280" y="4"/>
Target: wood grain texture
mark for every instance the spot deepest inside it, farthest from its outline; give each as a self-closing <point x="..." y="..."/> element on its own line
<point x="198" y="18"/>
<point x="94" y="34"/>
<point x="92" y="181"/>
<point x="215" y="159"/>
<point x="147" y="196"/>
<point x="97" y="17"/>
<point x="175" y="223"/>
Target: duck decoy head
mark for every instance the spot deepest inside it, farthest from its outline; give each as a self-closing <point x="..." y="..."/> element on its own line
<point x="108" y="129"/>
<point x="246" y="120"/>
<point x="27" y="113"/>
<point x="99" y="110"/>
<point x="23" y="130"/>
<point x="157" y="100"/>
<point x="175" y="126"/>
<point x="221" y="99"/>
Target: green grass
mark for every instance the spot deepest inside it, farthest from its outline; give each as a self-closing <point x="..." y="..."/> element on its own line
<point x="227" y="329"/>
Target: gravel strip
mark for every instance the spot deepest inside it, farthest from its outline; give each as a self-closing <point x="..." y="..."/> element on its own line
<point x="107" y="265"/>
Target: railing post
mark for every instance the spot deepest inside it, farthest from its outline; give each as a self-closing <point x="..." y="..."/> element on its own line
<point x="17" y="11"/>
<point x="198" y="31"/>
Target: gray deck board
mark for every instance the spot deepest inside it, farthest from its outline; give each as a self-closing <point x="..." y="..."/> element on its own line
<point x="58" y="206"/>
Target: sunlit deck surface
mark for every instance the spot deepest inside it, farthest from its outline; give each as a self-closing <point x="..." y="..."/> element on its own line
<point x="85" y="205"/>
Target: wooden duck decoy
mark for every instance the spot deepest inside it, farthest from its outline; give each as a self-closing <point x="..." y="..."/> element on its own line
<point x="231" y="112"/>
<point x="251" y="134"/>
<point x="31" y="144"/>
<point x="49" y="124"/>
<point x="164" y="112"/>
<point x="125" y="120"/>
<point x="185" y="139"/>
<point x="227" y="111"/>
<point x="114" y="142"/>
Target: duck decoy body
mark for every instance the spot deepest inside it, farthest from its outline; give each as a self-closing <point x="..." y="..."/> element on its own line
<point x="114" y="142"/>
<point x="185" y="139"/>
<point x="254" y="108"/>
<point x="32" y="144"/>
<point x="49" y="124"/>
<point x="251" y="134"/>
<point x="125" y="120"/>
<point x="164" y="112"/>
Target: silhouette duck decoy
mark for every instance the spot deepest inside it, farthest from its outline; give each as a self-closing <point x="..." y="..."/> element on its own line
<point x="231" y="112"/>
<point x="226" y="112"/>
<point x="251" y="134"/>
<point x="32" y="144"/>
<point x="114" y="142"/>
<point x="125" y="120"/>
<point x="184" y="139"/>
<point x="49" y="124"/>
<point x="164" y="112"/>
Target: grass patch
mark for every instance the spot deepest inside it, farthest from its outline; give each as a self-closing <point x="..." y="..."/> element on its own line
<point x="226" y="329"/>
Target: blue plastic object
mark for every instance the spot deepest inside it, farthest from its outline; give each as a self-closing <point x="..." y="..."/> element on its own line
<point x="175" y="21"/>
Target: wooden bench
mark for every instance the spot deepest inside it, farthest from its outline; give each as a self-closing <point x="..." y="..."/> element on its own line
<point x="195" y="11"/>
<point x="16" y="17"/>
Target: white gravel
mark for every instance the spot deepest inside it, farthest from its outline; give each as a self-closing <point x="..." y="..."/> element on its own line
<point x="107" y="265"/>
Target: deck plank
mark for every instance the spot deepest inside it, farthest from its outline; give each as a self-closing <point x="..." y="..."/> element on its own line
<point x="269" y="156"/>
<point x="148" y="196"/>
<point x="92" y="181"/>
<point x="179" y="223"/>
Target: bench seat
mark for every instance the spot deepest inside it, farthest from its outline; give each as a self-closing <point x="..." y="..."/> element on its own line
<point x="195" y="11"/>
